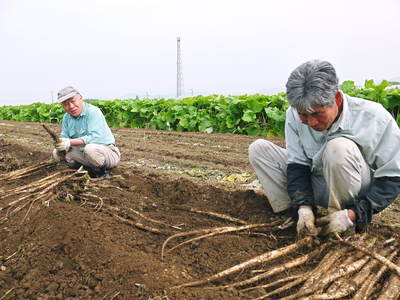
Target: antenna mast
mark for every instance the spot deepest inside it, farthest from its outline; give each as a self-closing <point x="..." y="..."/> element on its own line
<point x="179" y="76"/>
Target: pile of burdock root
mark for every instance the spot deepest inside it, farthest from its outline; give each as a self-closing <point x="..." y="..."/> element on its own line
<point x="355" y="267"/>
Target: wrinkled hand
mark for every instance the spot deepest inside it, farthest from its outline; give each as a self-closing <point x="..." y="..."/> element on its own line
<point x="306" y="222"/>
<point x="339" y="221"/>
<point x="63" y="145"/>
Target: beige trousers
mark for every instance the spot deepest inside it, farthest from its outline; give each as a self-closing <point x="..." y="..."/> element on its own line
<point x="93" y="156"/>
<point x="345" y="173"/>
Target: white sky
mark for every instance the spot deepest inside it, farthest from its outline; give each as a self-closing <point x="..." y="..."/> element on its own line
<point x="112" y="48"/>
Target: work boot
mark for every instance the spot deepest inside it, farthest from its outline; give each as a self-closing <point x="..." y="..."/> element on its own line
<point x="74" y="165"/>
<point x="103" y="173"/>
<point x="98" y="172"/>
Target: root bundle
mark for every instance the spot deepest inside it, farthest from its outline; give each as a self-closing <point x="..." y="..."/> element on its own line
<point x="66" y="185"/>
<point x="305" y="269"/>
<point x="27" y="195"/>
<point x="331" y="270"/>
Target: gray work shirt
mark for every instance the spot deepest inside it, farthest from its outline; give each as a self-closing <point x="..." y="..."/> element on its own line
<point x="365" y="122"/>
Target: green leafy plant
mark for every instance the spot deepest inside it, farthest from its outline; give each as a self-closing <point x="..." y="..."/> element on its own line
<point x="383" y="93"/>
<point x="246" y="114"/>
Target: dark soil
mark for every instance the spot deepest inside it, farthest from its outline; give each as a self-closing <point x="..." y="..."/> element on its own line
<point x="69" y="250"/>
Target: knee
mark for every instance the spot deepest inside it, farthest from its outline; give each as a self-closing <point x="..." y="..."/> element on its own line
<point x="71" y="163"/>
<point x="69" y="158"/>
<point x="93" y="155"/>
<point x="257" y="148"/>
<point x="339" y="150"/>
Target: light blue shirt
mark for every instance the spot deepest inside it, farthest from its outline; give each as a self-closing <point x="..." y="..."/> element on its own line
<point x="365" y="122"/>
<point x="90" y="126"/>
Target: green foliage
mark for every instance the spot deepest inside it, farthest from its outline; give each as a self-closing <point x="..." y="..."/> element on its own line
<point x="216" y="113"/>
<point x="254" y="114"/>
<point x="35" y="112"/>
<point x="247" y="114"/>
<point x="383" y="93"/>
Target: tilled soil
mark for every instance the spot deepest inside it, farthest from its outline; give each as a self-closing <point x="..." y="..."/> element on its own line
<point x="73" y="249"/>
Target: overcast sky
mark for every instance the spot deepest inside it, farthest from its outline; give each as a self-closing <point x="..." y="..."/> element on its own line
<point x="110" y="49"/>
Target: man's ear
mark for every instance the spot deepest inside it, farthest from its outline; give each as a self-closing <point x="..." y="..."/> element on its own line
<point x="339" y="99"/>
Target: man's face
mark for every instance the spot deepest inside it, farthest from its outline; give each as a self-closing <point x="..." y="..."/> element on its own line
<point x="73" y="106"/>
<point x="322" y="117"/>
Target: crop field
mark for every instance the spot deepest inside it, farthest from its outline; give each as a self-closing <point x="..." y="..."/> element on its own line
<point x="181" y="218"/>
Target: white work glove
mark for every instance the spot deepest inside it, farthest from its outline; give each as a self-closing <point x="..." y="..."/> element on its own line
<point x="339" y="221"/>
<point x="56" y="156"/>
<point x="306" y="222"/>
<point x="63" y="145"/>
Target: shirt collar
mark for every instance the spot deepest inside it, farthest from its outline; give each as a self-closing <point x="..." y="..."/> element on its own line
<point x="84" y="110"/>
<point x="342" y="123"/>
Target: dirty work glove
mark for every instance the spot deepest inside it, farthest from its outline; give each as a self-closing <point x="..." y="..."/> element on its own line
<point x="338" y="221"/>
<point x="306" y="222"/>
<point x="56" y="156"/>
<point x="63" y="145"/>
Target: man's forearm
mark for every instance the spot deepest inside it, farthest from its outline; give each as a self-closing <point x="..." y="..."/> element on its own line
<point x="77" y="142"/>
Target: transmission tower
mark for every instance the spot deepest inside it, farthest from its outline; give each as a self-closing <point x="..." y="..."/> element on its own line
<point x="179" y="75"/>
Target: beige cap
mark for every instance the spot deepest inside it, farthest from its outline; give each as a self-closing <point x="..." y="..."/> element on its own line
<point x="66" y="93"/>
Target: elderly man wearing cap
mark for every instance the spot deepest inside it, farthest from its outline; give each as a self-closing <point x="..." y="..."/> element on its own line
<point x="85" y="137"/>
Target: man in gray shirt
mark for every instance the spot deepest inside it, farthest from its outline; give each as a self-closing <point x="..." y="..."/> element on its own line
<point x="342" y="153"/>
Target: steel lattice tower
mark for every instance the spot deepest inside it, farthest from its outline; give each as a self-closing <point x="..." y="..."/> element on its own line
<point x="179" y="75"/>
